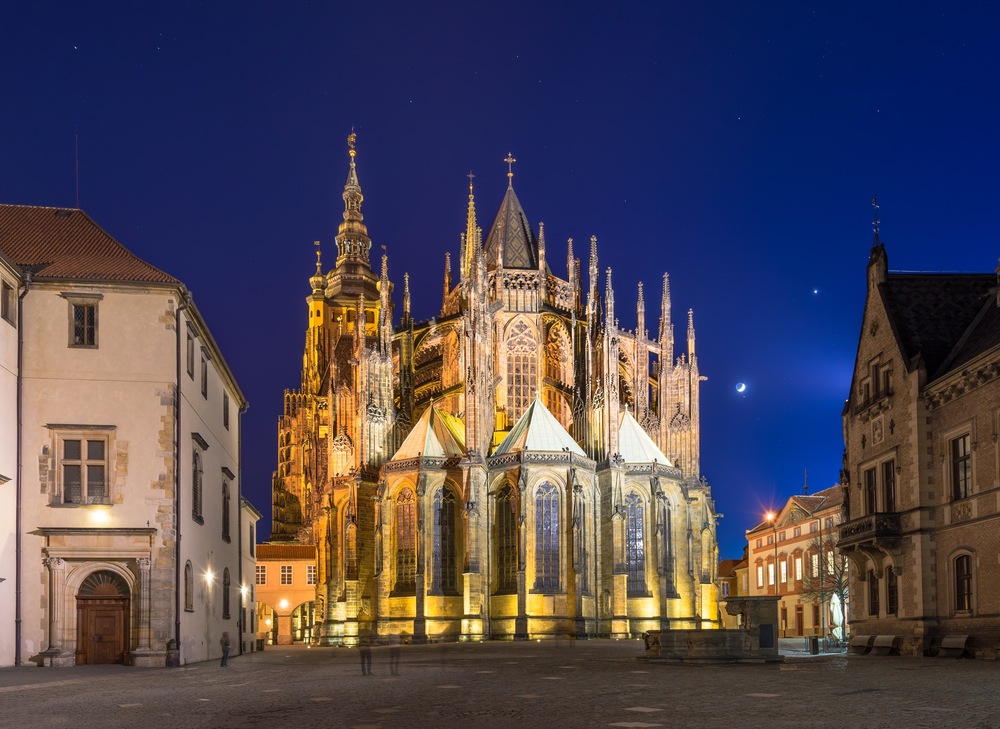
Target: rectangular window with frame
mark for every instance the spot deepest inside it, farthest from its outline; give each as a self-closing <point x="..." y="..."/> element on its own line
<point x="261" y="576"/>
<point x="889" y="486"/>
<point x="286" y="574"/>
<point x="873" y="605"/>
<point x="784" y="570"/>
<point x="225" y="410"/>
<point x="204" y="376"/>
<point x="83" y="319"/>
<point x="8" y="302"/>
<point x="961" y="467"/>
<point x="83" y="469"/>
<point x="759" y="542"/>
<point x="190" y="355"/>
<point x="813" y="527"/>
<point x="891" y="592"/>
<point x="310" y="574"/>
<point x="871" y="495"/>
<point x="770" y="573"/>
<point x="814" y="564"/>
<point x="798" y="568"/>
<point x="760" y="575"/>
<point x="798" y="531"/>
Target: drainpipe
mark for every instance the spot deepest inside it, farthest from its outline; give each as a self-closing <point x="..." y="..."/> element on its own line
<point x="239" y="523"/>
<point x="20" y="462"/>
<point x="184" y="303"/>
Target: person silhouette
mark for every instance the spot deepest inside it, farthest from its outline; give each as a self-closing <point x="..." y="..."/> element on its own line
<point x="365" y="645"/>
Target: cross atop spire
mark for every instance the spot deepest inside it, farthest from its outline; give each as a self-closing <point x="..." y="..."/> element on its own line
<point x="509" y="159"/>
<point x="470" y="176"/>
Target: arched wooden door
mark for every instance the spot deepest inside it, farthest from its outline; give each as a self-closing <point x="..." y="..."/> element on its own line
<point x="102" y="612"/>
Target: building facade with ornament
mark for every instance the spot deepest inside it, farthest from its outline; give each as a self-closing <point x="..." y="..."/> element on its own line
<point x="516" y="467"/>
<point x="120" y="498"/>
<point x="922" y="462"/>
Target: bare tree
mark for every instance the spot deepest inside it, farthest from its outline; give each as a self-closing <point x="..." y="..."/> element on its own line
<point x="825" y="574"/>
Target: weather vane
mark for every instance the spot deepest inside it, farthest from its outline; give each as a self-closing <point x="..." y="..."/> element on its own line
<point x="351" y="138"/>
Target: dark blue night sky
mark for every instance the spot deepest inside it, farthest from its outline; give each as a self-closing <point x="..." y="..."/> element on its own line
<point x="736" y="147"/>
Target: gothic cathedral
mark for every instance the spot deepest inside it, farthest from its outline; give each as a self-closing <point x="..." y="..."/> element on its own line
<point x="517" y="467"/>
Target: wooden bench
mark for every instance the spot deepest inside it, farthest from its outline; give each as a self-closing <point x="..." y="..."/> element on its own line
<point x="860" y="644"/>
<point x="953" y="646"/>
<point x="885" y="645"/>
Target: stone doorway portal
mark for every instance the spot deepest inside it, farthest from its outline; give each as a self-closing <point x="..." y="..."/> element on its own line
<point x="102" y="608"/>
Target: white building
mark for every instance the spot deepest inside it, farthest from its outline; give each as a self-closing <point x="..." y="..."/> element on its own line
<point x="127" y="465"/>
<point x="10" y="284"/>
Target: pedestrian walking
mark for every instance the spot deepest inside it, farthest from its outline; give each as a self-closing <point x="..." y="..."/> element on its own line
<point x="394" y="653"/>
<point x="365" y="645"/>
<point x="226" y="645"/>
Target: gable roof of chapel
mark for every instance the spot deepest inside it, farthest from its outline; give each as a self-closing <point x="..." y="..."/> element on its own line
<point x="635" y="445"/>
<point x="436" y="435"/>
<point x="538" y="430"/>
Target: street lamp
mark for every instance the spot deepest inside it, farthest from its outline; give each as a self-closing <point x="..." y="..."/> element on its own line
<point x="772" y="519"/>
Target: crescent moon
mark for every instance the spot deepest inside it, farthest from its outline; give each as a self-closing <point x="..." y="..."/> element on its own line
<point x="741" y="387"/>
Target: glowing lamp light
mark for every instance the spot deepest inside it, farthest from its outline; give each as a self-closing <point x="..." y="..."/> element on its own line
<point x="244" y="590"/>
<point x="100" y="516"/>
<point x="208" y="575"/>
<point x="283" y="604"/>
<point x="267" y="622"/>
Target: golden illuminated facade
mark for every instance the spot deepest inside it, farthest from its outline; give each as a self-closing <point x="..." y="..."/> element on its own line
<point x="501" y="470"/>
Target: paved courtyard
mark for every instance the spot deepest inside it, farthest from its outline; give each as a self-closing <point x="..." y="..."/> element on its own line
<point x="565" y="684"/>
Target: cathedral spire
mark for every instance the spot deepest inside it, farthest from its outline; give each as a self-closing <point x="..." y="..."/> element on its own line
<point x="318" y="281"/>
<point x="406" y="297"/>
<point x="569" y="260"/>
<point x="385" y="306"/>
<point x="353" y="243"/>
<point x="690" y="335"/>
<point x="640" y="316"/>
<point x="609" y="302"/>
<point x="472" y="238"/>
<point x="665" y="310"/>
<point x="509" y="159"/>
<point x="447" y="278"/>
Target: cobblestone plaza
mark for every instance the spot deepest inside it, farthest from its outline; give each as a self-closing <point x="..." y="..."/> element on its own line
<point x="553" y="684"/>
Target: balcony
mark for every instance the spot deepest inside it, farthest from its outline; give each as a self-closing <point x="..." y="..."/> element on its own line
<point x="873" y="527"/>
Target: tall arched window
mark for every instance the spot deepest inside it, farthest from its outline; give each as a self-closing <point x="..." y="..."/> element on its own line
<point x="522" y="355"/>
<point x="963" y="583"/>
<point x="506" y="540"/>
<point x="635" y="553"/>
<point x="547" y="538"/>
<point x="406" y="543"/>
<point x="196" y="490"/>
<point x="225" y="510"/>
<point x="226" y="589"/>
<point x="350" y="549"/>
<point x="445" y="579"/>
<point x="188" y="587"/>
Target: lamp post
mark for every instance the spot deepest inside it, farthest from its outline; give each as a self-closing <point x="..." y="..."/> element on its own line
<point x="772" y="519"/>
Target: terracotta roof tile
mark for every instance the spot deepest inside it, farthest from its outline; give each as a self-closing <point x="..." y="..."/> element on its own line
<point x="66" y="243"/>
<point x="285" y="551"/>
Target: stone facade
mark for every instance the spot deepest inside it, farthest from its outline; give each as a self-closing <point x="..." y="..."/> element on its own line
<point x="921" y="460"/>
<point x="517" y="467"/>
